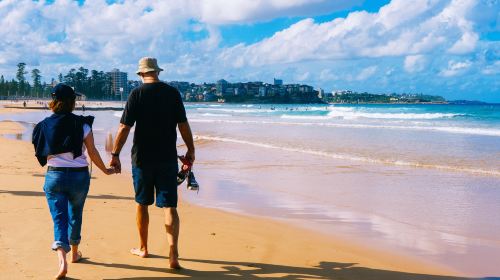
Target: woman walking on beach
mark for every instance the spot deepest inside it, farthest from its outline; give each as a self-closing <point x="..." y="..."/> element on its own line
<point x="60" y="141"/>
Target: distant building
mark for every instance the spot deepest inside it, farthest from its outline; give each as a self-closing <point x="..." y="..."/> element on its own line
<point x="182" y="87"/>
<point x="252" y="88"/>
<point x="209" y="97"/>
<point x="262" y="91"/>
<point x="342" y="92"/>
<point x="221" y="86"/>
<point x="223" y="91"/>
<point x="321" y="93"/>
<point x="119" y="83"/>
<point x="306" y="89"/>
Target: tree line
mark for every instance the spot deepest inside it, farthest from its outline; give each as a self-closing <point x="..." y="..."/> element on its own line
<point x="93" y="84"/>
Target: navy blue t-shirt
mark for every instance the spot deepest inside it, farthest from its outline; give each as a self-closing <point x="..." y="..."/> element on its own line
<point x="156" y="109"/>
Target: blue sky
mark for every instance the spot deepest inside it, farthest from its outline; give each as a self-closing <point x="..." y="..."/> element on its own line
<point x="444" y="47"/>
<point x="254" y="32"/>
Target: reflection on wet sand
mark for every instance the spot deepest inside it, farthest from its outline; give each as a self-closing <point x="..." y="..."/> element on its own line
<point x="381" y="206"/>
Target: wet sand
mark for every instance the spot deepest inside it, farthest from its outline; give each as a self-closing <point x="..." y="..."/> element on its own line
<point x="214" y="244"/>
<point x="10" y="127"/>
<point x="435" y="217"/>
<point x="4" y="110"/>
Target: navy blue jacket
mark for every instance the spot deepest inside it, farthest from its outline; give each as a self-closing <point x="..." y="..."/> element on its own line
<point x="59" y="133"/>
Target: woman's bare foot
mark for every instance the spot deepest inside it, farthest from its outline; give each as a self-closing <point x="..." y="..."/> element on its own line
<point x="139" y="252"/>
<point x="63" y="270"/>
<point x="63" y="264"/>
<point x="76" y="256"/>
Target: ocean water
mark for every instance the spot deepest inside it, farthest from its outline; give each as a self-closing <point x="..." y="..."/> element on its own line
<point x="448" y="137"/>
<point x="423" y="180"/>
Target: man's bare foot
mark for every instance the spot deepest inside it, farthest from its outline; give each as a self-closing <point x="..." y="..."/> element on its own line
<point x="173" y="258"/>
<point x="139" y="252"/>
<point x="174" y="264"/>
<point x="63" y="270"/>
<point x="76" y="257"/>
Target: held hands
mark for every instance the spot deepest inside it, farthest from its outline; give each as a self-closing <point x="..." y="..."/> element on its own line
<point x="109" y="171"/>
<point x="115" y="164"/>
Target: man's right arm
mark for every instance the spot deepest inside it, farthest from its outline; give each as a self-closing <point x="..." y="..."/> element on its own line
<point x="121" y="138"/>
<point x="126" y="122"/>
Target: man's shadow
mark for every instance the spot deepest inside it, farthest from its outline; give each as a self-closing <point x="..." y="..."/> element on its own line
<point x="245" y="270"/>
<point x="42" y="194"/>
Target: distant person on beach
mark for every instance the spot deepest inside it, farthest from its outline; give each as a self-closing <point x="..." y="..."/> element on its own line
<point x="157" y="110"/>
<point x="60" y="142"/>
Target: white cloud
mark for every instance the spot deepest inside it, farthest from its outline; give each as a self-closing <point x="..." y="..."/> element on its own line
<point x="366" y="73"/>
<point x="327" y="75"/>
<point x="303" y="76"/>
<point x="244" y="11"/>
<point x="455" y="68"/>
<point x="414" y="63"/>
<point x="466" y="43"/>
<point x="97" y="33"/>
<point x="492" y="69"/>
<point x="396" y="30"/>
<point x="52" y="48"/>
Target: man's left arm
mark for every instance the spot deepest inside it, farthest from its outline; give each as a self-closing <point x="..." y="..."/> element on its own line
<point x="187" y="136"/>
<point x="121" y="138"/>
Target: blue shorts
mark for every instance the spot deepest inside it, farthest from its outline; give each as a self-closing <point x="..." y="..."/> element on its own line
<point x="161" y="179"/>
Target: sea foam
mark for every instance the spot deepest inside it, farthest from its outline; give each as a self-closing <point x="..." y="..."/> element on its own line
<point x="447" y="129"/>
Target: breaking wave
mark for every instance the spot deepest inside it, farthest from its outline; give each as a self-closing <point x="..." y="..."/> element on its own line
<point x="447" y="129"/>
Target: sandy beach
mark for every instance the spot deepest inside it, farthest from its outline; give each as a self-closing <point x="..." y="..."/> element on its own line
<point x="214" y="244"/>
<point x="343" y="140"/>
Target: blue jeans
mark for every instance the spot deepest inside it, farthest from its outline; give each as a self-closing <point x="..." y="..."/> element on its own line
<point x="66" y="192"/>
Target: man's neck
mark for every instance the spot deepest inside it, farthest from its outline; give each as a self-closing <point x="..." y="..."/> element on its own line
<point x="149" y="80"/>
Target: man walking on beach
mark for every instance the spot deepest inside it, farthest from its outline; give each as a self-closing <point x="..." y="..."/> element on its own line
<point x="157" y="109"/>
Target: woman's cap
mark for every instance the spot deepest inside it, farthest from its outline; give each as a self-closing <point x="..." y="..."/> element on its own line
<point x="62" y="91"/>
<point x="148" y="64"/>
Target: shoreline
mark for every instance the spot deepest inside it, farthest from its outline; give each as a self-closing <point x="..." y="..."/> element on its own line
<point x="76" y="109"/>
<point x="3" y="104"/>
<point x="262" y="241"/>
<point x="20" y="109"/>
